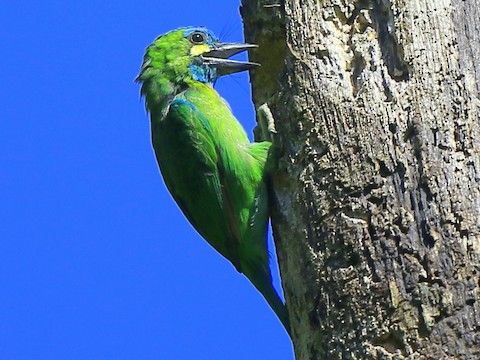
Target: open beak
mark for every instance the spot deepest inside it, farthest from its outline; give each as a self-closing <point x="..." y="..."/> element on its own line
<point x="219" y="58"/>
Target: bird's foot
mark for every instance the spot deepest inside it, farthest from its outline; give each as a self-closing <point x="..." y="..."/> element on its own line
<point x="266" y="123"/>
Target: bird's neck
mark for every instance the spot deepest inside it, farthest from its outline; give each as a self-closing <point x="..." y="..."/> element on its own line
<point x="159" y="92"/>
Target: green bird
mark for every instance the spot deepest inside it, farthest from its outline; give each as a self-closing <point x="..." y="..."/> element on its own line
<point x="216" y="176"/>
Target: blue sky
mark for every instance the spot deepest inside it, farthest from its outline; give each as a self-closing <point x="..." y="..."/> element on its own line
<point x="96" y="261"/>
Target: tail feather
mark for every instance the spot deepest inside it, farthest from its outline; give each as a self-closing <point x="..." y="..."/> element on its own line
<point x="261" y="278"/>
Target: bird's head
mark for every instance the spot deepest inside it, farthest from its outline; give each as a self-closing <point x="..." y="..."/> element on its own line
<point x="192" y="54"/>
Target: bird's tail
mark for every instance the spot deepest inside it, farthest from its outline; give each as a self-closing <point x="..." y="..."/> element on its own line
<point x="261" y="278"/>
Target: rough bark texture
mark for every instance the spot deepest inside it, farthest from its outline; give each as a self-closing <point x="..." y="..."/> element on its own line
<point x="377" y="194"/>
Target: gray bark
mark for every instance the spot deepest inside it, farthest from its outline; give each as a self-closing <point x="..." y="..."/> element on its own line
<point x="376" y="210"/>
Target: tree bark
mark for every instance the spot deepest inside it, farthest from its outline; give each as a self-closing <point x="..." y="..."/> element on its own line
<point x="376" y="212"/>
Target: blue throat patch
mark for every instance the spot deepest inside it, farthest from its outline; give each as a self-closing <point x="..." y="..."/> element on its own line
<point x="203" y="73"/>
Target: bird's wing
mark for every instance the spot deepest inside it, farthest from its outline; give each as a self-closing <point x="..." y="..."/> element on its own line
<point x="193" y="171"/>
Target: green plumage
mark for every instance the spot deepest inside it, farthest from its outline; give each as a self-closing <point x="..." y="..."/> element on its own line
<point x="216" y="176"/>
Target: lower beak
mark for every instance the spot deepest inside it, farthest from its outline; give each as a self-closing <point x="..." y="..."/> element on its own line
<point x="219" y="58"/>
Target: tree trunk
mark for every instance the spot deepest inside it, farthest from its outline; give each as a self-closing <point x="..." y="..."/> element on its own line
<point x="376" y="210"/>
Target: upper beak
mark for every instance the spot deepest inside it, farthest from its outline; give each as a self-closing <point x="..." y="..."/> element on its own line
<point x="219" y="58"/>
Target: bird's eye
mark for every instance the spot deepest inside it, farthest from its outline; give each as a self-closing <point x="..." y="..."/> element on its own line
<point x="197" y="38"/>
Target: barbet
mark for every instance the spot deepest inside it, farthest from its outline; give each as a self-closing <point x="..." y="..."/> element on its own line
<point x="216" y="176"/>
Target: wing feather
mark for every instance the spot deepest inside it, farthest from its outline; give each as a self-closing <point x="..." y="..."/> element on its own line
<point x="193" y="171"/>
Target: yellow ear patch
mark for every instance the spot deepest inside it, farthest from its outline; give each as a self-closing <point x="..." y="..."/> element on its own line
<point x="199" y="49"/>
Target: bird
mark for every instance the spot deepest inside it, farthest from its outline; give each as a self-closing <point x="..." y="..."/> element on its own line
<point x="217" y="177"/>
